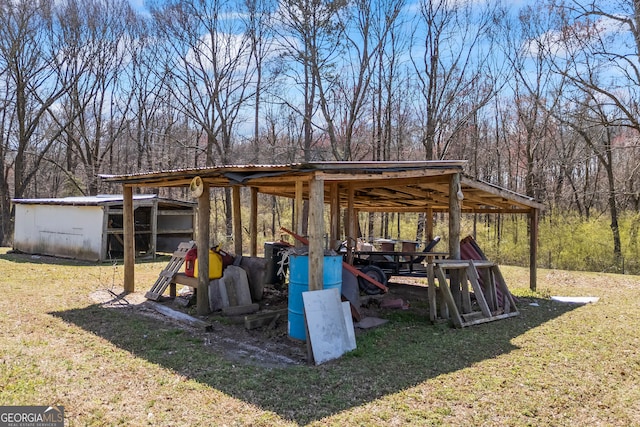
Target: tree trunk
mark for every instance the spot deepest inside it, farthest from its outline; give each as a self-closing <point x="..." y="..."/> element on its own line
<point x="613" y="210"/>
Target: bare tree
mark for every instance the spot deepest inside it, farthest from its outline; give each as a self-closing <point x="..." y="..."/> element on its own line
<point x="588" y="119"/>
<point x="207" y="61"/>
<point x="97" y="102"/>
<point x="309" y="35"/>
<point x="451" y="53"/>
<point x="163" y="137"/>
<point x="34" y="61"/>
<point x="259" y="23"/>
<point x="6" y="156"/>
<point x="596" y="49"/>
<point x="343" y="95"/>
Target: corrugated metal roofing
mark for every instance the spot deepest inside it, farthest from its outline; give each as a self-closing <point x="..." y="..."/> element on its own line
<point x="404" y="186"/>
<point x="100" y="200"/>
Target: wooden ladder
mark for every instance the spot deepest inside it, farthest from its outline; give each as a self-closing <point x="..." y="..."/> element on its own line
<point x="166" y="276"/>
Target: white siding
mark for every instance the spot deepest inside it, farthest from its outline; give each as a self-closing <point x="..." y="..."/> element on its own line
<point x="67" y="231"/>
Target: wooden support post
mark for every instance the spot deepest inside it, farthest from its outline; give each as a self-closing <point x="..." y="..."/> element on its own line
<point x="202" y="242"/>
<point x="154" y="229"/>
<point x="129" y="238"/>
<point x="298" y="211"/>
<point x="455" y="212"/>
<point x="334" y="215"/>
<point x="447" y="297"/>
<point x="316" y="234"/>
<point x="352" y="233"/>
<point x="533" y="249"/>
<point x="237" y="220"/>
<point x="429" y="225"/>
<point x="431" y="293"/>
<point x="253" y="223"/>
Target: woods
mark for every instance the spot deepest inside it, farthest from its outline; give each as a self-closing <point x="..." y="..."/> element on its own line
<point x="542" y="99"/>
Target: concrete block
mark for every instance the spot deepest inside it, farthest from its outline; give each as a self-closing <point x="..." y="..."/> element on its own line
<point x="256" y="269"/>
<point x="215" y="297"/>
<point x="239" y="310"/>
<point x="237" y="286"/>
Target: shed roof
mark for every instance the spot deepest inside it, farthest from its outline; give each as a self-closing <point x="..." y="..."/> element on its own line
<point x="101" y="200"/>
<point x="406" y="186"/>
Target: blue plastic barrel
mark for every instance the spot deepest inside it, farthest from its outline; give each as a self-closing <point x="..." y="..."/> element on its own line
<point x="299" y="283"/>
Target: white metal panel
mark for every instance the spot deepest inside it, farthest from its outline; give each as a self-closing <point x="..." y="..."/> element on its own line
<point x="59" y="230"/>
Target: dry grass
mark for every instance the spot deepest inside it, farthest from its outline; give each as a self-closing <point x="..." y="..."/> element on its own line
<point x="554" y="365"/>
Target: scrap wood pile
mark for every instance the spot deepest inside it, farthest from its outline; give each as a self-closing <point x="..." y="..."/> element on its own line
<point x="493" y="301"/>
<point x="470" y="250"/>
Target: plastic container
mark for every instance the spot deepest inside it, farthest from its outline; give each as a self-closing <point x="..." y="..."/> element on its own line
<point x="299" y="283"/>
<point x="215" y="265"/>
<point x="273" y="255"/>
<point x="190" y="261"/>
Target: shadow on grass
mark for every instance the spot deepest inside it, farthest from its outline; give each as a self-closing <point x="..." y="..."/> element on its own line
<point x="24" y="258"/>
<point x="405" y="352"/>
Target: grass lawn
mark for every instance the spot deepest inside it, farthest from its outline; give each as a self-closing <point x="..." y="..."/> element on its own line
<point x="556" y="364"/>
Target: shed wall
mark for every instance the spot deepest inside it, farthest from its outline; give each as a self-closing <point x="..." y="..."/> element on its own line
<point x="65" y="231"/>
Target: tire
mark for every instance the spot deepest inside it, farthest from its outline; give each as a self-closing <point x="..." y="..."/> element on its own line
<point x="375" y="273"/>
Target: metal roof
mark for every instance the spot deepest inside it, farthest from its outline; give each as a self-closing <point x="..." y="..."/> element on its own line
<point x="409" y="186"/>
<point x="100" y="200"/>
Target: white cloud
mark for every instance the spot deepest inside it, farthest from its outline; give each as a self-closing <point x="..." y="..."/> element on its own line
<point x="562" y="44"/>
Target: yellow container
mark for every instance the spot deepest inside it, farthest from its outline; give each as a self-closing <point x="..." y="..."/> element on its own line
<point x="215" y="265"/>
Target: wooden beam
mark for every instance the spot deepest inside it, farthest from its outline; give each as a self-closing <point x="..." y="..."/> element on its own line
<point x="429" y="224"/>
<point x="352" y="234"/>
<point x="533" y="249"/>
<point x="454" y="217"/>
<point x="385" y="175"/>
<point x="431" y="293"/>
<point x="377" y="208"/>
<point x="447" y="296"/>
<point x="514" y="210"/>
<point x="334" y="214"/>
<point x="399" y="183"/>
<point x="154" y="228"/>
<point x="129" y="238"/>
<point x="179" y="316"/>
<point x="237" y="220"/>
<point x="474" y="279"/>
<point x="454" y="233"/>
<point x="202" y="242"/>
<point x="502" y="193"/>
<point x="298" y="209"/>
<point x="254" y="321"/>
<point x="316" y="234"/>
<point x="253" y="223"/>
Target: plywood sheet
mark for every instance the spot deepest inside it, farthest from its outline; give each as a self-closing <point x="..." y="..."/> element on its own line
<point x="328" y="333"/>
<point x="348" y="320"/>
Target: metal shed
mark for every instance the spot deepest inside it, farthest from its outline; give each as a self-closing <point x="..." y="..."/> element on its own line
<point x="92" y="228"/>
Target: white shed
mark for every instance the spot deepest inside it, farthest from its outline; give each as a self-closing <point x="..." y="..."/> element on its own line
<point x="90" y="228"/>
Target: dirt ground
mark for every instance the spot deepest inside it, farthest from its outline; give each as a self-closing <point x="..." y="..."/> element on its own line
<point x="268" y="345"/>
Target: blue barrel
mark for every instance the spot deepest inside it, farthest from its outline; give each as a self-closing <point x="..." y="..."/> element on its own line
<point x="299" y="283"/>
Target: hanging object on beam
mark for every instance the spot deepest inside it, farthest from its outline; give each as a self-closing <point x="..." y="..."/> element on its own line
<point x="196" y="187"/>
